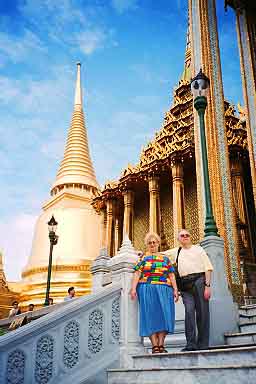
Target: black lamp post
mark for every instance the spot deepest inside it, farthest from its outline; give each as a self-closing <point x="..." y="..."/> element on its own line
<point x="199" y="87"/>
<point x="52" y="226"/>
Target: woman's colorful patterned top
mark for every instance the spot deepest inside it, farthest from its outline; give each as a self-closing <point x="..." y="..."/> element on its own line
<point x="154" y="269"/>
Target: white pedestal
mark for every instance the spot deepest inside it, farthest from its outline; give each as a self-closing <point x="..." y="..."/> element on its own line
<point x="223" y="310"/>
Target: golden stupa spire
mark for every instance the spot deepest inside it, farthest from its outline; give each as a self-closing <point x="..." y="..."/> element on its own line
<point x="76" y="166"/>
<point x="186" y="75"/>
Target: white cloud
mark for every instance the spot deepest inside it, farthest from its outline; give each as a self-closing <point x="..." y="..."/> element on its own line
<point x="69" y="23"/>
<point x="39" y="96"/>
<point x="124" y="5"/>
<point x="90" y="40"/>
<point x="16" y="234"/>
<point x="18" y="48"/>
<point x="60" y="12"/>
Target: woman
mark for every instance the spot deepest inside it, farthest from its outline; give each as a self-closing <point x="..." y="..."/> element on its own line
<point x="154" y="283"/>
<point x="15" y="309"/>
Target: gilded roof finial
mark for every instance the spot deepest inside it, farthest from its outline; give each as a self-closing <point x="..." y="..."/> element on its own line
<point x="186" y="75"/>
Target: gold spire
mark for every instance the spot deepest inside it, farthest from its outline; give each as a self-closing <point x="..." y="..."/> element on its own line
<point x="186" y="75"/>
<point x="76" y="166"/>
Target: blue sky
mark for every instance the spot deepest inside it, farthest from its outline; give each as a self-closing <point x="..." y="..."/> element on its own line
<point x="132" y="55"/>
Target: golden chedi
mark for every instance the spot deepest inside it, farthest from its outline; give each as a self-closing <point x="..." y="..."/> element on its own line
<point x="78" y="224"/>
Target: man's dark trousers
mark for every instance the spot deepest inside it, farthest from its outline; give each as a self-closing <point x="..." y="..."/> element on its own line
<point x="196" y="313"/>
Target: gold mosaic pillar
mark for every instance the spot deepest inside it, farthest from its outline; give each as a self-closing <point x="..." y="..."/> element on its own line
<point x="117" y="229"/>
<point x="247" y="45"/>
<point x="205" y="54"/>
<point x="154" y="204"/>
<point x="128" y="213"/>
<point x="103" y="228"/>
<point x="178" y="199"/>
<point x="110" y="226"/>
<point x="239" y="198"/>
<point x="195" y="67"/>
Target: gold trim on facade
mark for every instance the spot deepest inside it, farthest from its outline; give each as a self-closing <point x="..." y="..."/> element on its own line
<point x="85" y="267"/>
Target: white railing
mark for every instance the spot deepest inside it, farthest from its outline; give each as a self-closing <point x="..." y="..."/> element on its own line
<point x="70" y="345"/>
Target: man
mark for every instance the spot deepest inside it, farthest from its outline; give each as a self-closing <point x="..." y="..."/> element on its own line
<point x="15" y="310"/>
<point x="194" y="268"/>
<point x="71" y="294"/>
<point x="31" y="307"/>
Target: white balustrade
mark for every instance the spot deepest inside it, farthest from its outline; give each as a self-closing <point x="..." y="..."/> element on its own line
<point x="79" y="340"/>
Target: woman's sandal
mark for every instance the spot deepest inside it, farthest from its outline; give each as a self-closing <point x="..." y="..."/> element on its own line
<point x="162" y="349"/>
<point x="155" y="349"/>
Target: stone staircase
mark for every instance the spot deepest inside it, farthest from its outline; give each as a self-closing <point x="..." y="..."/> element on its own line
<point x="234" y="362"/>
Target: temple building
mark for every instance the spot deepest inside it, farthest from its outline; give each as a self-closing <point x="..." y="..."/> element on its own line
<point x="70" y="203"/>
<point x="163" y="191"/>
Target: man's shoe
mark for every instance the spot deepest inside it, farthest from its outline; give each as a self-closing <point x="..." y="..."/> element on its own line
<point x="188" y="349"/>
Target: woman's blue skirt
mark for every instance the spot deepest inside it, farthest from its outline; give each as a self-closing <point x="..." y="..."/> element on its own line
<point x="156" y="308"/>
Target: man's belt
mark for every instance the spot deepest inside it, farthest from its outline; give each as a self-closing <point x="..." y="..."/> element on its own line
<point x="193" y="276"/>
<point x="187" y="282"/>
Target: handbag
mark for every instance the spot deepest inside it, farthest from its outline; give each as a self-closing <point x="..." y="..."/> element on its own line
<point x="177" y="275"/>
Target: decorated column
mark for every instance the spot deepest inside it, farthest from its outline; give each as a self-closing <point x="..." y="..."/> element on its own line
<point x="247" y="45"/>
<point x="178" y="199"/>
<point x="117" y="230"/>
<point x="110" y="226"/>
<point x="218" y="187"/>
<point x="240" y="200"/>
<point x="103" y="228"/>
<point x="128" y="213"/>
<point x="154" y="204"/>
<point x="206" y="55"/>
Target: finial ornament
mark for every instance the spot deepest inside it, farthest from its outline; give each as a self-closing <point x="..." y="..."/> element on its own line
<point x="78" y="92"/>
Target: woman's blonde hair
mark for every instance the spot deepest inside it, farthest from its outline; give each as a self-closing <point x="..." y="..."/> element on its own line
<point x="151" y="235"/>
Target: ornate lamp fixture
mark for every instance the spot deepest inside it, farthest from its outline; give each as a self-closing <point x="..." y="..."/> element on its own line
<point x="52" y="227"/>
<point x="199" y="87"/>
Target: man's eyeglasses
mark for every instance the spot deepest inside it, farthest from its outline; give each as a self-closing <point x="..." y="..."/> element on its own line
<point x="184" y="235"/>
<point x="151" y="242"/>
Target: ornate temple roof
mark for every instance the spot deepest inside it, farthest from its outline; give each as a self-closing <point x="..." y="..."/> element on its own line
<point x="175" y="139"/>
<point x="76" y="166"/>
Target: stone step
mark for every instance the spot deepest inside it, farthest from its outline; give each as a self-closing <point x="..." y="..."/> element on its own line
<point x="226" y="346"/>
<point x="235" y="374"/>
<point x="197" y="358"/>
<point x="250" y="300"/>
<point x="240" y="338"/>
<point x="247" y="319"/>
<point x="173" y="343"/>
<point x="248" y="327"/>
<point x="248" y="310"/>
